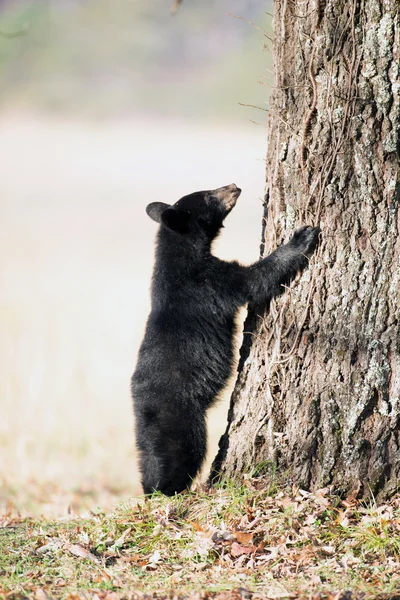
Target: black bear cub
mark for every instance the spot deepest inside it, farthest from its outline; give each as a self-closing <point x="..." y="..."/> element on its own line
<point x="186" y="355"/>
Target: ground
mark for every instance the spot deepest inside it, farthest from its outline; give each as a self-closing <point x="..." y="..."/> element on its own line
<point x="248" y="540"/>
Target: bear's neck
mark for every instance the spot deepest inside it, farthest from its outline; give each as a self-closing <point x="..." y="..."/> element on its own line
<point x="179" y="253"/>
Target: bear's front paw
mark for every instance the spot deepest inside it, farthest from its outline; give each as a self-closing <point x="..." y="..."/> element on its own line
<point x="306" y="239"/>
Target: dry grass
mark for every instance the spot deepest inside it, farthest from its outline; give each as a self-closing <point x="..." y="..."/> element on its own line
<point x="76" y="251"/>
<point x="255" y="537"/>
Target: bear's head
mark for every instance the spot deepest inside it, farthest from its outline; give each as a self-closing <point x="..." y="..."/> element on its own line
<point x="198" y="214"/>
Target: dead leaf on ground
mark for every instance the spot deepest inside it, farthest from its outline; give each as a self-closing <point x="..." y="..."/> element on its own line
<point x="111" y="596"/>
<point x="273" y="555"/>
<point x="196" y="526"/>
<point x="154" y="560"/>
<point x="322" y="500"/>
<point x="276" y="591"/>
<point x="121" y="540"/>
<point x="41" y="594"/>
<point x="238" y="550"/>
<point x="102" y="577"/>
<point x="243" y="538"/>
<point x="327" y="550"/>
<point x="81" y="552"/>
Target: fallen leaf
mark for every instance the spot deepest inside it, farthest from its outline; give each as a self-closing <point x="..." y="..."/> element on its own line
<point x="50" y="547"/>
<point x="223" y="536"/>
<point x="311" y="519"/>
<point x="243" y="538"/>
<point x="200" y="566"/>
<point x="102" y="577"/>
<point x="121" y="540"/>
<point x="277" y="591"/>
<point x="285" y="502"/>
<point x="327" y="550"/>
<point x="40" y="594"/>
<point x="203" y="544"/>
<point x="273" y="554"/>
<point x="154" y="560"/>
<point x="238" y="550"/>
<point x="322" y="500"/>
<point x="81" y="552"/>
<point x="345" y="522"/>
<point x="111" y="596"/>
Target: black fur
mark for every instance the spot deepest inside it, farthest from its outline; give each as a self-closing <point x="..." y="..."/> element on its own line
<point x="186" y="355"/>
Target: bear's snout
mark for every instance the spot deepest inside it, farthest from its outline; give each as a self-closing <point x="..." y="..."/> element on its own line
<point x="228" y="195"/>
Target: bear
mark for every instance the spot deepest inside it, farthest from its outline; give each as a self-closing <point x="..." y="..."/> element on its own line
<point x="187" y="353"/>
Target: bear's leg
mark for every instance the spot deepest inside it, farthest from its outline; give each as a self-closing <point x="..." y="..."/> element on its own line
<point x="171" y="454"/>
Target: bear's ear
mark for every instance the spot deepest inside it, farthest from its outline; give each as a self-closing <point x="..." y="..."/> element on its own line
<point x="177" y="220"/>
<point x="155" y="209"/>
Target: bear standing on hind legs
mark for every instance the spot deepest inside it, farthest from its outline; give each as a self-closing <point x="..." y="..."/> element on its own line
<point x="186" y="356"/>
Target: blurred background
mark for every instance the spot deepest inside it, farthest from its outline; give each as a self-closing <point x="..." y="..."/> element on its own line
<point x="105" y="107"/>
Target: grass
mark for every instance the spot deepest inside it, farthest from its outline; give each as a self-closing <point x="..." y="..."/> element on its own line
<point x="269" y="541"/>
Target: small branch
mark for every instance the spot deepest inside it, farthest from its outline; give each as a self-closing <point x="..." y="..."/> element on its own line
<point x="13" y="34"/>
<point x="253" y="106"/>
<point x="257" y="123"/>
<point x="252" y="24"/>
<point x="175" y="7"/>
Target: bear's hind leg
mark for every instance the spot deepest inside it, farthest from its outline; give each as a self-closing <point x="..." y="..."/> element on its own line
<point x="151" y="469"/>
<point x="174" y="456"/>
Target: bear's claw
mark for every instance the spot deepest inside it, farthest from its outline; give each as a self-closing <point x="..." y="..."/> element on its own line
<point x="306" y="239"/>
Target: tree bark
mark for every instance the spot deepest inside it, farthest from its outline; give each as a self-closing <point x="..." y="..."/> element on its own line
<point x="318" y="388"/>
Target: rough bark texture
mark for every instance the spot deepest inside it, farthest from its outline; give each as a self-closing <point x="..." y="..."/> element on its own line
<point x="318" y="389"/>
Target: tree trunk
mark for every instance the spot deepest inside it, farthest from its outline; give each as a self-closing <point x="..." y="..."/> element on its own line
<point x="318" y="388"/>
